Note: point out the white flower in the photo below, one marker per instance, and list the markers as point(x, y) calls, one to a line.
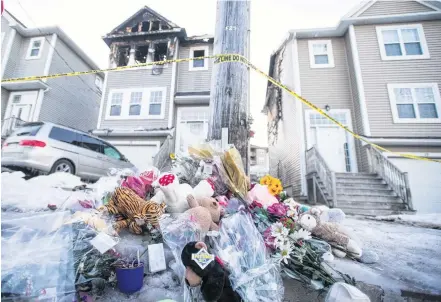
point(301, 234)
point(285, 252)
point(278, 231)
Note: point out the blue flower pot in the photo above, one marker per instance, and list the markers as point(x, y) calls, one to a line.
point(130, 280)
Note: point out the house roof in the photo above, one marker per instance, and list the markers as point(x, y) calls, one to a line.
point(353, 18)
point(142, 11)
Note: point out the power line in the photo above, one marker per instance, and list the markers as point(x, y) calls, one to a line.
point(67, 64)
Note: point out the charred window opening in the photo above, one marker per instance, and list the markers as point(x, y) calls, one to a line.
point(155, 25)
point(145, 26)
point(135, 28)
point(123, 56)
point(160, 52)
point(141, 54)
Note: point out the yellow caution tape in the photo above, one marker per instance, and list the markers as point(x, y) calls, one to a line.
point(223, 59)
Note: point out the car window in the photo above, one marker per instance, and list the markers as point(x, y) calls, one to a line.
point(29, 129)
point(111, 152)
point(64, 135)
point(91, 143)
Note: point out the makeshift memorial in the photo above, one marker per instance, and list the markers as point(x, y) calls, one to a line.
point(234, 176)
point(261, 194)
point(203, 270)
point(331, 233)
point(241, 248)
point(274, 184)
point(173, 193)
point(92, 218)
point(136, 211)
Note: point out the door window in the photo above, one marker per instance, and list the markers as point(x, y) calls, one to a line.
point(91, 144)
point(64, 135)
point(112, 152)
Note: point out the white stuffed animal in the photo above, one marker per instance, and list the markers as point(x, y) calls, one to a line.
point(175, 194)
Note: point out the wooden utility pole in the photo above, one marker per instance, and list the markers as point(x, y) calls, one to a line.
point(229, 102)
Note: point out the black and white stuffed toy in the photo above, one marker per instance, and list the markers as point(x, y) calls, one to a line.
point(213, 279)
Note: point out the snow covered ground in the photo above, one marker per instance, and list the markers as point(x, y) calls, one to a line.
point(432, 221)
point(410, 257)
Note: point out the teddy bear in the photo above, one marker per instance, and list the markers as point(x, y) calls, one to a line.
point(213, 279)
point(331, 233)
point(175, 194)
point(206, 211)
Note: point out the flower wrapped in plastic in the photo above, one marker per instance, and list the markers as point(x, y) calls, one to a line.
point(242, 249)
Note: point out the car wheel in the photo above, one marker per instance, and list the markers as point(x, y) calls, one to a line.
point(63, 165)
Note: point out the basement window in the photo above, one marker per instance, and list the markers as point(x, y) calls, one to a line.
point(123, 56)
point(141, 54)
point(160, 52)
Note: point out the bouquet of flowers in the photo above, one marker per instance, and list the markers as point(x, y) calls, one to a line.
point(292, 246)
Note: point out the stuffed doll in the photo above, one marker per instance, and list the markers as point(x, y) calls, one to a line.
point(213, 280)
point(331, 233)
point(175, 194)
point(206, 212)
point(136, 211)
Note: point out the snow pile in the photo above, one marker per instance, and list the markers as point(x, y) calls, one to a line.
point(20, 195)
point(432, 221)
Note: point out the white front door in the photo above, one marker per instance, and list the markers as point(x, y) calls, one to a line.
point(331, 145)
point(192, 127)
point(334, 144)
point(20, 109)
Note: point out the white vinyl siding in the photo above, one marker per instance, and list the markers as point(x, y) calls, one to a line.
point(321, 54)
point(35, 48)
point(403, 42)
point(137, 103)
point(415, 103)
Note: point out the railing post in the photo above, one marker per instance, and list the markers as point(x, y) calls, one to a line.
point(408, 193)
point(314, 192)
point(334, 190)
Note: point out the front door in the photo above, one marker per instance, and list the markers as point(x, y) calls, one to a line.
point(333, 143)
point(20, 109)
point(192, 127)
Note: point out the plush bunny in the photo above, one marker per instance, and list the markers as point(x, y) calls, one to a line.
point(206, 212)
point(331, 233)
point(175, 194)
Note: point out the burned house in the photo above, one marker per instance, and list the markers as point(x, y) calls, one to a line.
point(143, 105)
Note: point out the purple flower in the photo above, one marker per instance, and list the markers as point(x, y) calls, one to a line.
point(269, 239)
point(278, 209)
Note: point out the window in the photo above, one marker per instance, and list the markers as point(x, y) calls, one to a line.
point(16, 99)
point(99, 82)
point(402, 42)
point(91, 143)
point(135, 103)
point(155, 104)
point(111, 152)
point(201, 64)
point(415, 103)
point(35, 48)
point(64, 135)
point(320, 54)
point(28, 129)
point(116, 104)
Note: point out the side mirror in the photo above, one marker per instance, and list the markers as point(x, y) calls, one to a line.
point(123, 158)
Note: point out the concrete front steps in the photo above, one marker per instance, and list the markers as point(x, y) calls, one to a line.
point(366, 194)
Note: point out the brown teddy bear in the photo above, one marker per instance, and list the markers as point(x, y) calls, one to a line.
point(206, 211)
point(330, 232)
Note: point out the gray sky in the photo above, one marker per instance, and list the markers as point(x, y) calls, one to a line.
point(85, 21)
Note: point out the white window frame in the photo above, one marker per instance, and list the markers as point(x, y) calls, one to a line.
point(99, 82)
point(164, 97)
point(28, 55)
point(398, 28)
point(417, 120)
point(145, 104)
point(330, 54)
point(179, 121)
point(206, 61)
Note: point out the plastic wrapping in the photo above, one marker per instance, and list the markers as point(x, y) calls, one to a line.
point(234, 174)
point(241, 247)
point(37, 255)
point(177, 232)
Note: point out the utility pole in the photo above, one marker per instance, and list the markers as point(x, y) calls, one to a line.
point(229, 99)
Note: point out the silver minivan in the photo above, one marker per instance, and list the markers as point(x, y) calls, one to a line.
point(47, 148)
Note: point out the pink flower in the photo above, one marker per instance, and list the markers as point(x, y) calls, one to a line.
point(269, 240)
point(256, 204)
point(277, 209)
